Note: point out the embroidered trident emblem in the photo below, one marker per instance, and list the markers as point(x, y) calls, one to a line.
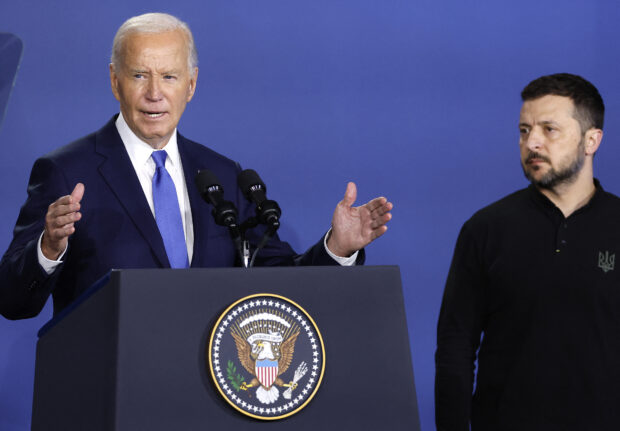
point(606, 261)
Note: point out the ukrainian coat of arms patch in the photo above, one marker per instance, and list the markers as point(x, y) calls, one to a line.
point(266, 356)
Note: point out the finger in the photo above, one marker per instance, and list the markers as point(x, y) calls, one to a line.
point(375, 203)
point(58, 209)
point(68, 229)
point(381, 221)
point(64, 200)
point(60, 221)
point(378, 232)
point(62, 231)
point(77, 193)
point(350, 195)
point(383, 209)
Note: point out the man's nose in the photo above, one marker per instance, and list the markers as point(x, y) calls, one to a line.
point(534, 139)
point(153, 91)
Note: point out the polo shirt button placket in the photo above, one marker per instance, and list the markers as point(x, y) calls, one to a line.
point(561, 235)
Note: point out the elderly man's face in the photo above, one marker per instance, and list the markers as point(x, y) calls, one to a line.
point(153, 84)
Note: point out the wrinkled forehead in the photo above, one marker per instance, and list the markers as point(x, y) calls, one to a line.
point(141, 46)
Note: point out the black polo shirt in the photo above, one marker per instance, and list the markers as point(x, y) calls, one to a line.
point(544, 292)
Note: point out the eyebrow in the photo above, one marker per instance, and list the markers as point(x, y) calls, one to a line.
point(145, 71)
point(545, 123)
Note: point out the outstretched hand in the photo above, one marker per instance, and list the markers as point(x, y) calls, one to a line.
point(353, 228)
point(59, 222)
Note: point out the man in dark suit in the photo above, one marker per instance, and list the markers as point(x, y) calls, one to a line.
point(97, 203)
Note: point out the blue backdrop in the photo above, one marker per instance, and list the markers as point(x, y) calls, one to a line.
point(415, 100)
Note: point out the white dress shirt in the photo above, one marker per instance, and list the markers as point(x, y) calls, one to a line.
point(144, 165)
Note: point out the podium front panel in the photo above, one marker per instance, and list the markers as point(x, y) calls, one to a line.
point(134, 354)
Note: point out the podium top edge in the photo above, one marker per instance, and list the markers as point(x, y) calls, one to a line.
point(118, 274)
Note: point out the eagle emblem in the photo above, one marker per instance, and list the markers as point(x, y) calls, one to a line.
point(265, 347)
point(266, 356)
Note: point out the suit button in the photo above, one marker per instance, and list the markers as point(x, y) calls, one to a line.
point(33, 284)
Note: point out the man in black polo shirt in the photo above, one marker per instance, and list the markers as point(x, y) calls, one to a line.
point(534, 275)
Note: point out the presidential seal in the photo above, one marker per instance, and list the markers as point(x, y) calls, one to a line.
point(266, 356)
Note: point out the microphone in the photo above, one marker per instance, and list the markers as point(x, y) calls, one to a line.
point(224, 212)
point(267, 211)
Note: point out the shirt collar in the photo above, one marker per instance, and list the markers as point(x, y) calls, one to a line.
point(543, 201)
point(139, 151)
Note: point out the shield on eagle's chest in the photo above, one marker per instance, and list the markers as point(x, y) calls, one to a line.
point(266, 372)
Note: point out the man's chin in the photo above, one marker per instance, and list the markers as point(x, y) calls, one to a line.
point(534, 174)
point(547, 181)
point(155, 139)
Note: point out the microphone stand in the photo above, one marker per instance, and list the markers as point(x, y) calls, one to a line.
point(245, 244)
point(250, 223)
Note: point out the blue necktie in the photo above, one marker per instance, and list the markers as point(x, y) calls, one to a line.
point(167, 213)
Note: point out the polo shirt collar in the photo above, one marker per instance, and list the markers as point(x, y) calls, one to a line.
point(543, 201)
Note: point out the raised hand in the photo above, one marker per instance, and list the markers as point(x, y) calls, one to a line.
point(353, 228)
point(60, 222)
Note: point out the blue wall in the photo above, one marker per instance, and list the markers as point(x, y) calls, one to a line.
point(415, 100)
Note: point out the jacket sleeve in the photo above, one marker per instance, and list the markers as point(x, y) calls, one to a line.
point(279, 253)
point(458, 335)
point(24, 284)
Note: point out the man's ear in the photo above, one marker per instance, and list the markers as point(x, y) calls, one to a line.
point(192, 84)
point(114, 82)
point(593, 138)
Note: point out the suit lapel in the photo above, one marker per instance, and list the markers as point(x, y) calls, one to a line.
point(120, 175)
point(192, 163)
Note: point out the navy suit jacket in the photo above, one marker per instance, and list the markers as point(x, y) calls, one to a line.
point(117, 229)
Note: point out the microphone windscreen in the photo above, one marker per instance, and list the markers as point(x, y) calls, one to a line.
point(249, 178)
point(205, 179)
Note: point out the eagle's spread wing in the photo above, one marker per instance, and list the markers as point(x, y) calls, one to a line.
point(287, 349)
point(243, 352)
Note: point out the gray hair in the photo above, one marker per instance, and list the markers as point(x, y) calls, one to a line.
point(153, 23)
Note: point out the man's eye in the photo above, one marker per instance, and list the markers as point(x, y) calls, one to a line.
point(138, 75)
point(523, 131)
point(169, 77)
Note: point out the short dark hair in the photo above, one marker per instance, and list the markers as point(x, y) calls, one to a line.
point(589, 107)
